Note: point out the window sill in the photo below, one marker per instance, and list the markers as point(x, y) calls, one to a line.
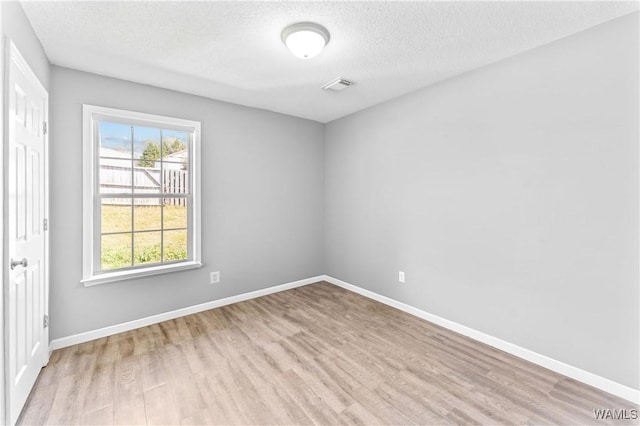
point(138, 273)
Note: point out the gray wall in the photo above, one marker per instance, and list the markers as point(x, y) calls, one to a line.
point(508, 195)
point(262, 203)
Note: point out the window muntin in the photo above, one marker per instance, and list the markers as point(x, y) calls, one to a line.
point(144, 207)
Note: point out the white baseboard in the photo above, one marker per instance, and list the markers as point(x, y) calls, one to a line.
point(583, 376)
point(154, 319)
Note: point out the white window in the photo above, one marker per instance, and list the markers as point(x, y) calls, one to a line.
point(141, 194)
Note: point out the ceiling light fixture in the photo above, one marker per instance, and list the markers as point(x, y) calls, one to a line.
point(305, 39)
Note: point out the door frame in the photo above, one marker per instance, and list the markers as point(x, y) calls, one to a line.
point(2, 216)
point(11, 52)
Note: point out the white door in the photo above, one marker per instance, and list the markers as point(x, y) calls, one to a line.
point(26, 344)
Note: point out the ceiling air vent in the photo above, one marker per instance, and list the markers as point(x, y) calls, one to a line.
point(338, 84)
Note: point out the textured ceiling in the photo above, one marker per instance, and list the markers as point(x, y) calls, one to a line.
point(232, 50)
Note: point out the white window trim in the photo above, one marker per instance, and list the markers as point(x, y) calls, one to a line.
point(90, 115)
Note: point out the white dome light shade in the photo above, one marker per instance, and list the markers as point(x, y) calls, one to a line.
point(305, 44)
point(306, 39)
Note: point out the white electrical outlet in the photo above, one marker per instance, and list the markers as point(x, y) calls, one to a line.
point(401, 276)
point(214, 277)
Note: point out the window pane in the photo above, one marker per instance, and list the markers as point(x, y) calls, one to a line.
point(146, 176)
point(175, 178)
point(146, 247)
point(146, 146)
point(175, 145)
point(116, 215)
point(147, 214)
point(116, 251)
point(175, 245)
point(115, 140)
point(175, 213)
point(114, 176)
point(146, 179)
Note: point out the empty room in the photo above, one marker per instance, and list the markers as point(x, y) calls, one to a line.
point(331, 212)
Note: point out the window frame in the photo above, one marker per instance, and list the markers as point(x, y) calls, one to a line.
point(91, 115)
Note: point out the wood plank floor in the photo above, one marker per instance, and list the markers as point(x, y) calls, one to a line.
point(313, 355)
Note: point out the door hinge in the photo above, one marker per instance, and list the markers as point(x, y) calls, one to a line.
point(44, 127)
point(45, 321)
point(45, 224)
